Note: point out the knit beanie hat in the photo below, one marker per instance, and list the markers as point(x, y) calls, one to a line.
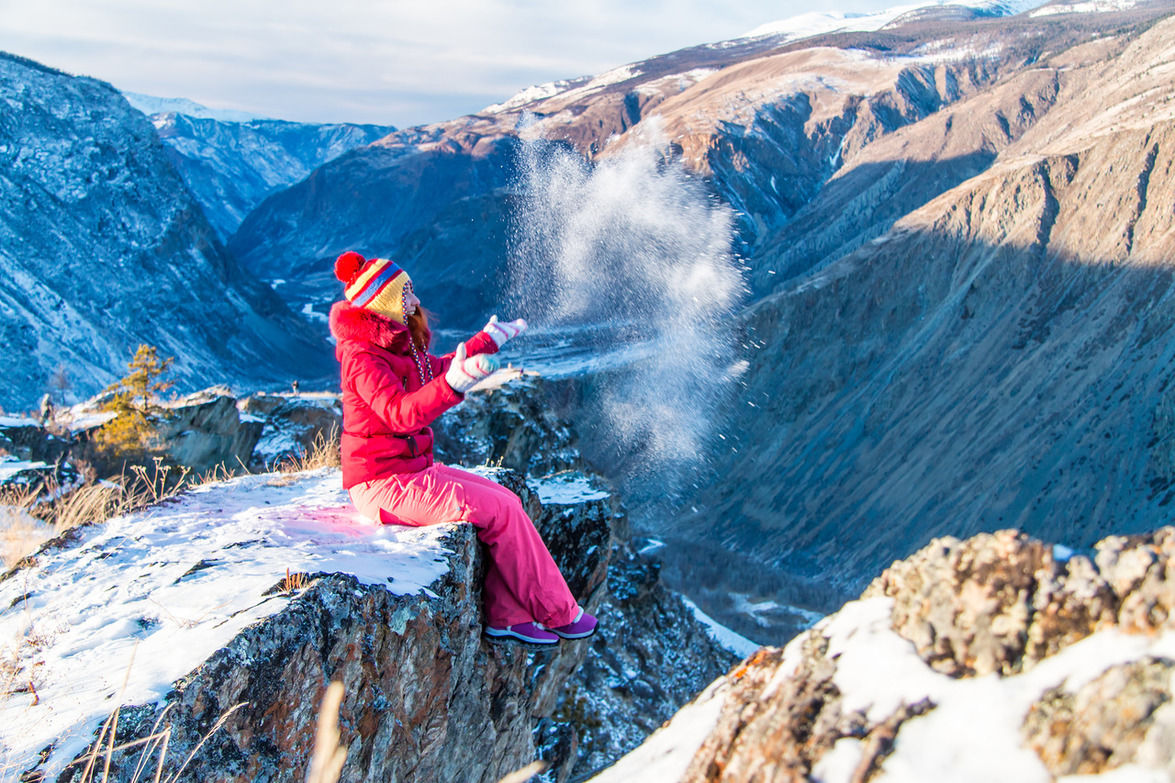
point(377, 284)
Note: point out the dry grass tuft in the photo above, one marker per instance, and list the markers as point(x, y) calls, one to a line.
point(21, 533)
point(526, 773)
point(322, 453)
point(154, 743)
point(293, 583)
point(63, 509)
point(326, 764)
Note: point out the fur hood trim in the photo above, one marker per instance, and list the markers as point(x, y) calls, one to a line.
point(348, 322)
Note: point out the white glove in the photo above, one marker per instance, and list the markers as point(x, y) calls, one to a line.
point(501, 332)
point(464, 373)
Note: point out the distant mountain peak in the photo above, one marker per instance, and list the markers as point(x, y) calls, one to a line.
point(822, 22)
point(150, 104)
point(1084, 7)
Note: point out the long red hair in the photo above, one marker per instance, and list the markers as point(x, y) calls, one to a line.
point(418, 328)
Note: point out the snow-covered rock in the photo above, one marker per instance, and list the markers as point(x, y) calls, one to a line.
point(994, 658)
point(205, 430)
point(186, 608)
point(292, 423)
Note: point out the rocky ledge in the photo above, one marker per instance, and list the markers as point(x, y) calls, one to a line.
point(259, 592)
point(995, 658)
point(220, 616)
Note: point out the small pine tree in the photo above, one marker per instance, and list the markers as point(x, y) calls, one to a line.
point(130, 434)
point(142, 383)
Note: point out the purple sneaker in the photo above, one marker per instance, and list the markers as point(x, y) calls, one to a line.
point(582, 626)
point(532, 633)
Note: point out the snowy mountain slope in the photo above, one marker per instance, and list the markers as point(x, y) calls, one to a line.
point(102, 248)
point(231, 166)
point(820, 22)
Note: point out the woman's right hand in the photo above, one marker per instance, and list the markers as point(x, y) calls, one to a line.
point(466, 371)
point(500, 331)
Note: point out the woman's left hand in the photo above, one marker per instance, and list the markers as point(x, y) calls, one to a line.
point(501, 332)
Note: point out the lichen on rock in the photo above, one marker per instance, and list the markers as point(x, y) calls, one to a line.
point(1103, 724)
point(996, 602)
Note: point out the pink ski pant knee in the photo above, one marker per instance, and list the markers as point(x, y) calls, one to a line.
point(522, 581)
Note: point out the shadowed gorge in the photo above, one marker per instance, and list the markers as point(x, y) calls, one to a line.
point(1023, 378)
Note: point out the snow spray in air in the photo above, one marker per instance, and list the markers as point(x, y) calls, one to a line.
point(634, 253)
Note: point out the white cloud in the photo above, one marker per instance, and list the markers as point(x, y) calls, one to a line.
point(386, 61)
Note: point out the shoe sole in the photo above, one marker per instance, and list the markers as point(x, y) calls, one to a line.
point(574, 635)
point(508, 636)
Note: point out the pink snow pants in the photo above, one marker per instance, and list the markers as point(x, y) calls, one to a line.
point(522, 581)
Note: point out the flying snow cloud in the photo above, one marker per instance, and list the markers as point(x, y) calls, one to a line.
point(635, 254)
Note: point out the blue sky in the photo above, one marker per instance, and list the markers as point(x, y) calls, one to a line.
point(391, 62)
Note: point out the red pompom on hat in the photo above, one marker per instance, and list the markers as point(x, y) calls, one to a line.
point(348, 265)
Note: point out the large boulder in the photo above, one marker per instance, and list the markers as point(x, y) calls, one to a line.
point(293, 424)
point(205, 430)
point(994, 658)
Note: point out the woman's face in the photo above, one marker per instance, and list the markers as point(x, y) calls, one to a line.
point(410, 302)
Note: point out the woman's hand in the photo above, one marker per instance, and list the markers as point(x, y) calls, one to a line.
point(501, 332)
point(465, 371)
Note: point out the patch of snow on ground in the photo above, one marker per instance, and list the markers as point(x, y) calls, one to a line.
point(17, 421)
point(274, 444)
point(85, 419)
point(309, 312)
point(949, 54)
point(10, 466)
point(1086, 7)
point(170, 585)
point(614, 76)
point(666, 754)
point(651, 545)
point(755, 609)
point(736, 643)
point(567, 488)
point(821, 22)
point(678, 82)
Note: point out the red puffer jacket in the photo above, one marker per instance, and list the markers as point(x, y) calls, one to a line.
point(386, 406)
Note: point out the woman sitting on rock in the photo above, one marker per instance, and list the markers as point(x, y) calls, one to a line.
point(392, 390)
